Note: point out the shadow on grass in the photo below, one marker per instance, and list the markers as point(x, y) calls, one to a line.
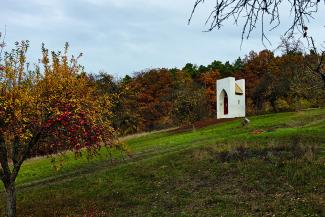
point(287, 151)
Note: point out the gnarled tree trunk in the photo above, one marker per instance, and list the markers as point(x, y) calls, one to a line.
point(11, 200)
point(8, 178)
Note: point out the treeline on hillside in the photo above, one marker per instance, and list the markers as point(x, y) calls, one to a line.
point(159, 98)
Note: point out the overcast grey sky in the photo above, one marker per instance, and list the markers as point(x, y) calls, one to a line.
point(124, 36)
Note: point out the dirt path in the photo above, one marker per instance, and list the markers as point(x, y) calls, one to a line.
point(113, 163)
point(99, 166)
point(201, 124)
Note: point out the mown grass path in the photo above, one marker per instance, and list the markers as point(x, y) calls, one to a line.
point(194, 167)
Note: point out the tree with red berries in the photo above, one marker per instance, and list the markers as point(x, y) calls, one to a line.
point(51, 109)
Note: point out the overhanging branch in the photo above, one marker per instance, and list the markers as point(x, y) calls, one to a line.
point(252, 11)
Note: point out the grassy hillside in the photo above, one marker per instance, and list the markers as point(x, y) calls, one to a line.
point(275, 166)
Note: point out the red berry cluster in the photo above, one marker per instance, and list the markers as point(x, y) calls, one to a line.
point(74, 130)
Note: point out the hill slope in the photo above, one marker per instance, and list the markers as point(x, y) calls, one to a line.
point(276, 165)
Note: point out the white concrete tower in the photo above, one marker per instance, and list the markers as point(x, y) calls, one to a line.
point(230, 98)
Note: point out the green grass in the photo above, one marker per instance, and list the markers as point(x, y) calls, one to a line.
point(221, 170)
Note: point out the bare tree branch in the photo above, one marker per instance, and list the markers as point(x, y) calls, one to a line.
point(265, 11)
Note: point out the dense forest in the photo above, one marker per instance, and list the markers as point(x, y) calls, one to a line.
point(158, 98)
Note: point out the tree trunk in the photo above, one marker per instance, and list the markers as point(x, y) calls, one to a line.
point(11, 200)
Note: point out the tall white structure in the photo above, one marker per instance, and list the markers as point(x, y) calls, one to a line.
point(231, 98)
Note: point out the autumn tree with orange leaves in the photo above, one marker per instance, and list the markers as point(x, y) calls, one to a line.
point(208, 79)
point(153, 91)
point(52, 108)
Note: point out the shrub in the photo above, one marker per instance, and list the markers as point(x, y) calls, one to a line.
point(282, 105)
